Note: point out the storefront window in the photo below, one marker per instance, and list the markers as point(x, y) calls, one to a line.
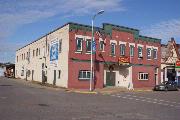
point(84, 75)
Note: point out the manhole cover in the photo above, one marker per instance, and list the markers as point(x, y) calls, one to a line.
point(43, 105)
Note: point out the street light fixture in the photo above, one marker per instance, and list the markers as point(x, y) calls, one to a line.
point(92, 40)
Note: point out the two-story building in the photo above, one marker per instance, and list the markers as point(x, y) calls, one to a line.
point(169, 56)
point(62, 57)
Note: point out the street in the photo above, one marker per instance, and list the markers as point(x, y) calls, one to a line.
point(21, 100)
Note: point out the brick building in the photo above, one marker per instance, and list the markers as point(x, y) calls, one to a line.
point(62, 57)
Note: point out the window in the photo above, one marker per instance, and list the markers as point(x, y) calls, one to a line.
point(131, 50)
point(155, 53)
point(33, 53)
point(140, 52)
point(17, 58)
point(22, 72)
point(88, 45)
point(84, 75)
point(37, 52)
point(60, 45)
point(59, 74)
point(22, 56)
point(148, 53)
point(143, 76)
point(27, 55)
point(101, 45)
point(79, 44)
point(122, 49)
point(113, 49)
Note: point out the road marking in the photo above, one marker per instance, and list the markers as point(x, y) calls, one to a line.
point(149, 100)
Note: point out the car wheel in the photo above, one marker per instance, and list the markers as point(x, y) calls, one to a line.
point(166, 89)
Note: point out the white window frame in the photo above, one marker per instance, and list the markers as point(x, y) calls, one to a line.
point(101, 45)
point(148, 56)
point(81, 72)
point(142, 76)
point(140, 54)
point(122, 51)
point(87, 43)
point(114, 46)
point(155, 57)
point(131, 50)
point(77, 39)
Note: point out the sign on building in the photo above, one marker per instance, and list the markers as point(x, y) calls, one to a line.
point(124, 60)
point(54, 52)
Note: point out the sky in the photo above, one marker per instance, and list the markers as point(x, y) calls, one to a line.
point(23, 21)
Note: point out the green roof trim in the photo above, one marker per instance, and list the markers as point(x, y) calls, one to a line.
point(149, 39)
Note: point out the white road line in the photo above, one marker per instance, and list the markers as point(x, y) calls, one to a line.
point(155, 101)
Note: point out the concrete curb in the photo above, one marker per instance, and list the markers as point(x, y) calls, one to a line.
point(82, 92)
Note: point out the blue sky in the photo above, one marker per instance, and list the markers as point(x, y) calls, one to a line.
point(23, 21)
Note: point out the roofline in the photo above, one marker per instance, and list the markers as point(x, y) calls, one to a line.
point(120, 26)
point(45, 35)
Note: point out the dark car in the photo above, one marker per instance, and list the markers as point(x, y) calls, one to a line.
point(166, 86)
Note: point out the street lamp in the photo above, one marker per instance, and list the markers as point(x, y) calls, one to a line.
point(92, 40)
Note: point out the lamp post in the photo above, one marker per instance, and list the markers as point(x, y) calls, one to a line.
point(92, 40)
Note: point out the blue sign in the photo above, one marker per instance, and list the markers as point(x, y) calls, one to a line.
point(54, 51)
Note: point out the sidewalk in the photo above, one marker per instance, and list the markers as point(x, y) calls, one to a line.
point(105, 90)
point(109, 90)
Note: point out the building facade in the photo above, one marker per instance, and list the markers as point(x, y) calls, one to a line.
point(169, 56)
point(121, 57)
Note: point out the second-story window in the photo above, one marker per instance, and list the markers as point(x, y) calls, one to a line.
point(17, 58)
point(37, 52)
point(148, 53)
point(122, 49)
point(79, 44)
point(88, 45)
point(131, 50)
point(33, 53)
point(113, 47)
point(140, 55)
point(101, 45)
point(155, 53)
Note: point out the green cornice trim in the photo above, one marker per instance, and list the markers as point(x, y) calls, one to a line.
point(149, 39)
point(107, 30)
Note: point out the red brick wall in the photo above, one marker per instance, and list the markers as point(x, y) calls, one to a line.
point(75, 66)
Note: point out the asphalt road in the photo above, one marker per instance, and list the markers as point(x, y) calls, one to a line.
point(20, 100)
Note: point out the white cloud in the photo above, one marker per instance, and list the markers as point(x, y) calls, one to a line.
point(15, 13)
point(164, 30)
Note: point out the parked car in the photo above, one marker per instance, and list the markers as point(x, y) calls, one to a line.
point(166, 86)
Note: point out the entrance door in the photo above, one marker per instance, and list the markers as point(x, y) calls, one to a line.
point(54, 81)
point(110, 78)
point(171, 74)
point(32, 75)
